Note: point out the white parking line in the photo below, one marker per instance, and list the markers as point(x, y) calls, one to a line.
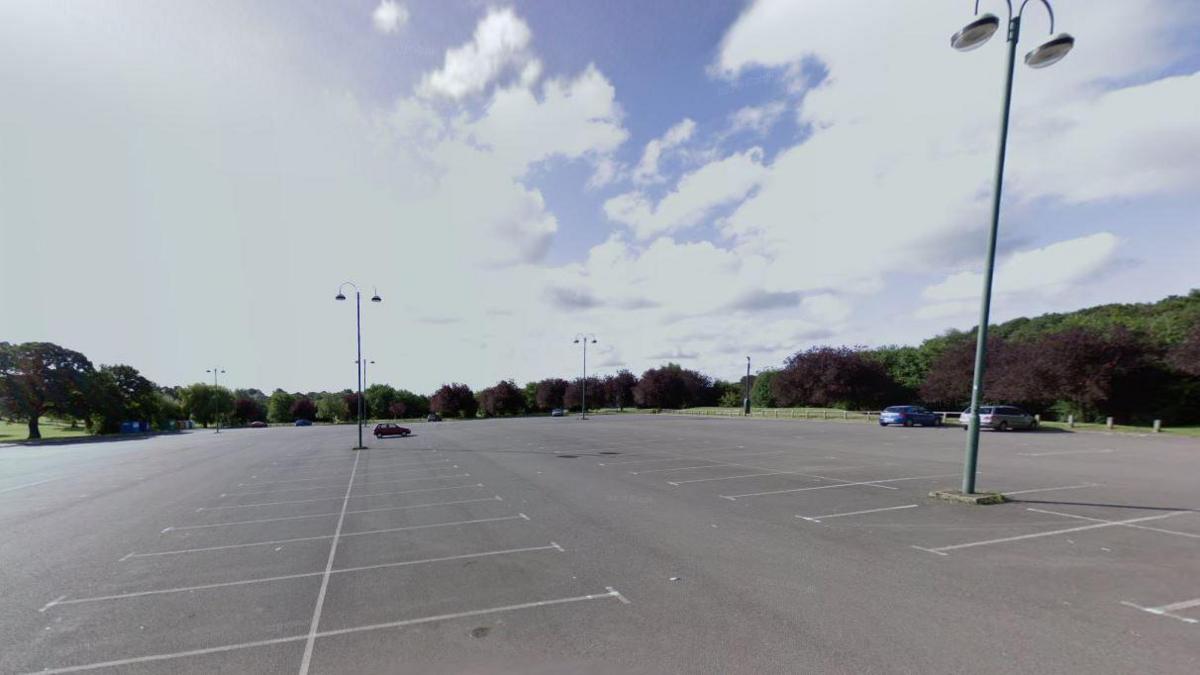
point(941, 550)
point(874, 483)
point(639, 461)
point(325, 515)
point(684, 468)
point(343, 475)
point(338, 487)
point(330, 499)
point(519, 516)
point(1066, 452)
point(303, 575)
point(27, 485)
point(1190, 535)
point(1169, 610)
point(1051, 489)
point(611, 593)
point(337, 534)
point(783, 473)
point(817, 519)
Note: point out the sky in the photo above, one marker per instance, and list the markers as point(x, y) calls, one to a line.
point(185, 185)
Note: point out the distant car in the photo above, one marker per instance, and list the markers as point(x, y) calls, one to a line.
point(389, 429)
point(304, 423)
point(1000, 418)
point(909, 415)
point(258, 424)
point(557, 412)
point(433, 417)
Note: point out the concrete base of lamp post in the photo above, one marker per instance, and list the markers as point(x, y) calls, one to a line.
point(977, 498)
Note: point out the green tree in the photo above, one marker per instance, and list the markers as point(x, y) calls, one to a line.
point(332, 408)
point(41, 378)
point(760, 393)
point(380, 398)
point(206, 403)
point(279, 406)
point(119, 393)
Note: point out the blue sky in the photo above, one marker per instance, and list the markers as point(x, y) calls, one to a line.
point(691, 181)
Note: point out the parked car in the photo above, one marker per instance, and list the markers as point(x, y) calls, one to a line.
point(304, 423)
point(389, 429)
point(909, 415)
point(433, 417)
point(1000, 418)
point(557, 412)
point(258, 424)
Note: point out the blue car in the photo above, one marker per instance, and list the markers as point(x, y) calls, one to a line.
point(909, 415)
point(304, 423)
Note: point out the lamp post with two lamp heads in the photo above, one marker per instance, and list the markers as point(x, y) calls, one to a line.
point(972, 36)
point(358, 330)
point(584, 338)
point(214, 370)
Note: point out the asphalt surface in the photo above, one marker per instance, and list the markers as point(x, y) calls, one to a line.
point(621, 544)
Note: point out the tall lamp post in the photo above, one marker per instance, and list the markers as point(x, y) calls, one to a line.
point(746, 398)
point(973, 35)
point(584, 338)
point(358, 330)
point(214, 370)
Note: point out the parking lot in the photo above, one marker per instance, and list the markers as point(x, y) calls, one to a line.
point(632, 543)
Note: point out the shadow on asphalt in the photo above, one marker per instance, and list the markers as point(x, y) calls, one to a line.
point(1112, 506)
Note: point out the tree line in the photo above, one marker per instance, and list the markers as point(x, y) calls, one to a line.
point(1135, 362)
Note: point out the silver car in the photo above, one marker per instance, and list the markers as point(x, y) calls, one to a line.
point(1000, 418)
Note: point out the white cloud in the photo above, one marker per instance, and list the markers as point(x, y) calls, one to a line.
point(896, 174)
point(647, 169)
point(715, 184)
point(756, 119)
point(827, 307)
point(1044, 271)
point(389, 16)
point(501, 41)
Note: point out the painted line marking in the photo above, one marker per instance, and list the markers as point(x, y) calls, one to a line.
point(1165, 610)
point(336, 487)
point(876, 483)
point(331, 477)
point(1051, 489)
point(1066, 452)
point(330, 499)
point(1191, 535)
point(817, 519)
point(616, 594)
point(305, 575)
point(1035, 535)
point(682, 468)
point(783, 473)
point(639, 461)
point(342, 631)
point(520, 516)
point(27, 485)
point(326, 515)
point(52, 603)
point(337, 534)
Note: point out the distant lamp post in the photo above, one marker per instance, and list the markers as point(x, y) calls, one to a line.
point(746, 398)
point(584, 338)
point(972, 36)
point(366, 384)
point(358, 330)
point(215, 370)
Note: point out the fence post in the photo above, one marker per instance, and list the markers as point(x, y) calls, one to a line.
point(1038, 418)
point(1109, 423)
point(824, 414)
point(1070, 421)
point(845, 414)
point(1157, 426)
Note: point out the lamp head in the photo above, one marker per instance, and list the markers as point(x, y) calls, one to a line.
point(339, 296)
point(1050, 52)
point(974, 34)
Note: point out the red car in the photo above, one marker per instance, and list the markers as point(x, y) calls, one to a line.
point(382, 430)
point(258, 424)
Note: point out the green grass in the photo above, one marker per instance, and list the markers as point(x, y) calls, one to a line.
point(1193, 431)
point(10, 432)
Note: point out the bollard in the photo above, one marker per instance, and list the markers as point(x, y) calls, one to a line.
point(1071, 421)
point(1109, 423)
point(824, 414)
point(1038, 418)
point(845, 414)
point(1157, 426)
